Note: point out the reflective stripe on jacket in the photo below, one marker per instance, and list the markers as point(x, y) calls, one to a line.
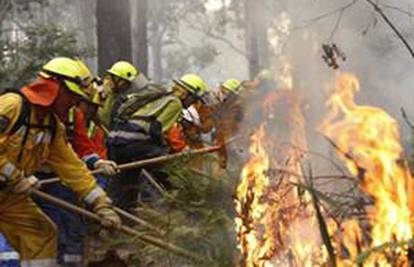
point(140, 127)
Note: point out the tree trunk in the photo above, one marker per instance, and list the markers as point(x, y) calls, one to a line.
point(157, 36)
point(256, 36)
point(114, 32)
point(157, 54)
point(140, 41)
point(87, 24)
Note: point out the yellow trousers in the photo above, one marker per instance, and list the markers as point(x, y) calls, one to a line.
point(28, 230)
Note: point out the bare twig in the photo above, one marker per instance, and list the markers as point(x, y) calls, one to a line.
point(328, 14)
point(392, 26)
point(154, 182)
point(347, 155)
point(405, 117)
point(323, 228)
point(399, 10)
point(218, 37)
point(337, 23)
point(320, 155)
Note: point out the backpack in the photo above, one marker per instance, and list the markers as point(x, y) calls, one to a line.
point(24, 120)
point(126, 105)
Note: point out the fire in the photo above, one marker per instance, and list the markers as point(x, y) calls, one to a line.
point(274, 224)
point(370, 138)
point(251, 207)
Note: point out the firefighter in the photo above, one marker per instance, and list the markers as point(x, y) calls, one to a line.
point(229, 88)
point(120, 79)
point(229, 113)
point(138, 129)
point(230, 110)
point(186, 133)
point(87, 139)
point(32, 135)
point(87, 134)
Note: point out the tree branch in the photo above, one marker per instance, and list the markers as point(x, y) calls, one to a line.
point(328, 14)
point(392, 26)
point(405, 117)
point(217, 37)
point(399, 10)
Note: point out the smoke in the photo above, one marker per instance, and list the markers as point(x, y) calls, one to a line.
point(373, 52)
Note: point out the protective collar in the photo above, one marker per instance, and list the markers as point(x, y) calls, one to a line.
point(42, 92)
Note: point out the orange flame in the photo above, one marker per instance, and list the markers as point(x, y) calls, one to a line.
point(251, 207)
point(274, 226)
point(370, 138)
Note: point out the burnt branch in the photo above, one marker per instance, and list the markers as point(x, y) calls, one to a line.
point(405, 117)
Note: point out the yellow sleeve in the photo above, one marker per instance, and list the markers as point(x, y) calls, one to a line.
point(170, 114)
point(10, 107)
point(73, 172)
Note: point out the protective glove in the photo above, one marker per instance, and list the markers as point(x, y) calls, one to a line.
point(25, 184)
point(109, 167)
point(103, 208)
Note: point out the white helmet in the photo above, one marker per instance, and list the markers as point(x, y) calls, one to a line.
point(191, 115)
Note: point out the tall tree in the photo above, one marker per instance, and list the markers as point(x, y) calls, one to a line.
point(256, 35)
point(114, 32)
point(85, 10)
point(139, 29)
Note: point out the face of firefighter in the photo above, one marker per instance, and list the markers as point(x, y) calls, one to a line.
point(64, 101)
point(224, 92)
point(116, 84)
point(186, 98)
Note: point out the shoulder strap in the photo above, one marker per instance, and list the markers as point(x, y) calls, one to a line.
point(24, 120)
point(24, 111)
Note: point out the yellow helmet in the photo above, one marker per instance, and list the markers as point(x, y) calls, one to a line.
point(233, 85)
point(74, 73)
point(193, 83)
point(124, 70)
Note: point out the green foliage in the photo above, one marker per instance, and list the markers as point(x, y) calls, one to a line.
point(21, 59)
point(196, 215)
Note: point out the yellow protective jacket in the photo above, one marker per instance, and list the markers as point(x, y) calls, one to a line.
point(40, 149)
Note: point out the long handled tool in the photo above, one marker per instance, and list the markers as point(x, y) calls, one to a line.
point(145, 162)
point(137, 220)
point(124, 229)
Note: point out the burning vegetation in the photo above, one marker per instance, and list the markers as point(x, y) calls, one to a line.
point(283, 220)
